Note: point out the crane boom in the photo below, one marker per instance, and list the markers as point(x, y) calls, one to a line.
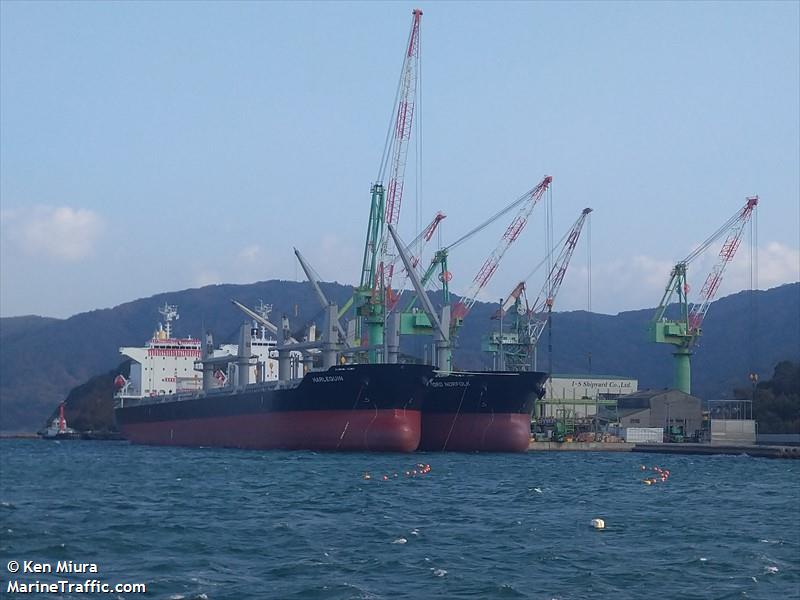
point(539, 313)
point(531, 198)
point(518, 291)
point(516, 348)
point(698, 310)
point(403, 117)
point(313, 278)
point(419, 243)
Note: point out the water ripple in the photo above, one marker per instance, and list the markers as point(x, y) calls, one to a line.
point(218, 524)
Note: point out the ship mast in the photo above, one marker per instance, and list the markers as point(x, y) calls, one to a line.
point(170, 313)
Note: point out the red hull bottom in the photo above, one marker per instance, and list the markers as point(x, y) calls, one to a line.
point(389, 430)
point(505, 432)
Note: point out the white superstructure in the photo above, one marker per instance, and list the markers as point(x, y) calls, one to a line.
point(168, 365)
point(264, 358)
point(165, 365)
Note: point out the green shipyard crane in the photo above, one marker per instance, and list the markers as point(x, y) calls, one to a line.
point(377, 320)
point(515, 350)
point(682, 332)
point(444, 340)
point(370, 297)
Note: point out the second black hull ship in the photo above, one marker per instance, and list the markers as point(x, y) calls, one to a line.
point(350, 407)
point(480, 411)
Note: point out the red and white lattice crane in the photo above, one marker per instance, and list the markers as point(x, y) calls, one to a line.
point(396, 151)
point(531, 198)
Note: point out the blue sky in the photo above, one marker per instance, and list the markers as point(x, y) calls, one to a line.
point(148, 147)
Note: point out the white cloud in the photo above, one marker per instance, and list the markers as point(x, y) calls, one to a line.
point(62, 233)
point(778, 264)
point(251, 254)
point(203, 277)
point(335, 258)
point(618, 285)
point(248, 264)
point(639, 282)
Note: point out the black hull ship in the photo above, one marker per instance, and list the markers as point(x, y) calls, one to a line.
point(350, 407)
point(480, 411)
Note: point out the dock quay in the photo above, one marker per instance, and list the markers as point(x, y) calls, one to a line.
point(760, 451)
point(581, 447)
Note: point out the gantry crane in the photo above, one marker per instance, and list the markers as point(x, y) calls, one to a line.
point(682, 333)
point(516, 348)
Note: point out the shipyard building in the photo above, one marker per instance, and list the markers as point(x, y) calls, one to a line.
point(660, 408)
point(582, 395)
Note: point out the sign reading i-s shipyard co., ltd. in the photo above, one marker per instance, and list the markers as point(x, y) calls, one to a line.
point(574, 387)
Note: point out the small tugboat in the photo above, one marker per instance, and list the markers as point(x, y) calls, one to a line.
point(58, 430)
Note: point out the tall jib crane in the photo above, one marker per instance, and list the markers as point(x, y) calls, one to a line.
point(516, 348)
point(377, 266)
point(683, 332)
point(525, 205)
point(531, 198)
point(445, 327)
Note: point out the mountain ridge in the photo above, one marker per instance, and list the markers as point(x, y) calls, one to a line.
point(42, 359)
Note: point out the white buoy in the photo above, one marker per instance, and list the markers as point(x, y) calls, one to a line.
point(598, 524)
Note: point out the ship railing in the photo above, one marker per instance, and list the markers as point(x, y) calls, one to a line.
point(122, 401)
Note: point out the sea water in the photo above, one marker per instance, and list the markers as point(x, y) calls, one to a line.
point(213, 524)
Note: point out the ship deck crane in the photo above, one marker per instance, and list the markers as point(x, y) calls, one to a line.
point(682, 333)
point(418, 243)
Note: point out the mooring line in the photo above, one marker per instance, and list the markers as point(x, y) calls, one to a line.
point(453, 424)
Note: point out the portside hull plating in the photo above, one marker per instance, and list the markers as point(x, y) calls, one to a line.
point(388, 430)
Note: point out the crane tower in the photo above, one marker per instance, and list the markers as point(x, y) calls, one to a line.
point(683, 331)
